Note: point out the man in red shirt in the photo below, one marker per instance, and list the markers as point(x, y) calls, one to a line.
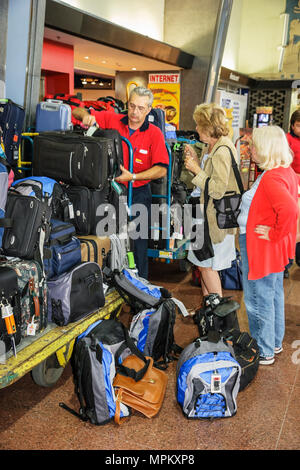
point(150, 156)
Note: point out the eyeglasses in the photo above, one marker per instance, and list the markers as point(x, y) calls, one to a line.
point(141, 109)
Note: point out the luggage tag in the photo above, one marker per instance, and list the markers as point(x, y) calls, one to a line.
point(71, 211)
point(215, 383)
point(91, 130)
point(116, 187)
point(31, 328)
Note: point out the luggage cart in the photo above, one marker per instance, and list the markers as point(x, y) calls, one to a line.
point(46, 354)
point(170, 253)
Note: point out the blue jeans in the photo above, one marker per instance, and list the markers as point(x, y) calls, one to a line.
point(264, 301)
point(142, 195)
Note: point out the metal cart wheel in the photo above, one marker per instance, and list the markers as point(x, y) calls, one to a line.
point(47, 373)
point(184, 265)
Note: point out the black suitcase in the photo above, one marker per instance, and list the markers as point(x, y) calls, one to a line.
point(157, 117)
point(86, 203)
point(9, 298)
point(11, 125)
point(30, 219)
point(72, 158)
point(32, 286)
point(116, 154)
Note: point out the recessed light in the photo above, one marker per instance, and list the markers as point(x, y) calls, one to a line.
point(86, 57)
point(133, 68)
point(103, 61)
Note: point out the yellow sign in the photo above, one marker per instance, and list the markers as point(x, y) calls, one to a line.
point(166, 91)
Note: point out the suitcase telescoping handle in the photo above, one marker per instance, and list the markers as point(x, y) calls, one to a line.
point(53, 101)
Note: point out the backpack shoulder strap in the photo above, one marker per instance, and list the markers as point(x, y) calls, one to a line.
point(235, 168)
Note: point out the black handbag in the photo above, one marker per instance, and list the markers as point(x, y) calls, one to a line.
point(228, 207)
point(206, 251)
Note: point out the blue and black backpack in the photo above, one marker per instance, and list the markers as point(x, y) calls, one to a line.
point(97, 357)
point(207, 380)
point(50, 189)
point(154, 315)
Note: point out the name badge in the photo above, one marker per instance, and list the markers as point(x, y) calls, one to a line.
point(144, 152)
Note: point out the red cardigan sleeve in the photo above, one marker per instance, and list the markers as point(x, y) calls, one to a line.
point(283, 204)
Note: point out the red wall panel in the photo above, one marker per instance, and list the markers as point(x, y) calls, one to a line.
point(58, 67)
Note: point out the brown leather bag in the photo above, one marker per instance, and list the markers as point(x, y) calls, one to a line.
point(145, 395)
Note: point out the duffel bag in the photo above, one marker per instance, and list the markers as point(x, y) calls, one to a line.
point(72, 158)
point(87, 204)
point(63, 249)
point(75, 294)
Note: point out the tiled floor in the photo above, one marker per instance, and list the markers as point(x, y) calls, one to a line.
point(268, 410)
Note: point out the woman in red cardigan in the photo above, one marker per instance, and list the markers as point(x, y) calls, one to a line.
point(268, 226)
point(293, 138)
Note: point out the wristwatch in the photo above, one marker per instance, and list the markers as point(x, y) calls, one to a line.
point(133, 177)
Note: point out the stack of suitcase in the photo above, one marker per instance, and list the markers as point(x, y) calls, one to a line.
point(52, 232)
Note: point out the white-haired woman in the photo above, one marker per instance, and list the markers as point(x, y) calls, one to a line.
point(268, 226)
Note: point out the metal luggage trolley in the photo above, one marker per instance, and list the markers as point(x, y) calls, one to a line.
point(168, 254)
point(46, 354)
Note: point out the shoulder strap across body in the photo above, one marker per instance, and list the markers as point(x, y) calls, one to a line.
point(235, 169)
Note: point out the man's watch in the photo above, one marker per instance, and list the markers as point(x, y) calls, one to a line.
point(133, 177)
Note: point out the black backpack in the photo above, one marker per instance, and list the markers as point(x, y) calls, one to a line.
point(217, 315)
point(246, 352)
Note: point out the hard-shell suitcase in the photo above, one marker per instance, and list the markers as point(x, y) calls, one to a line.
point(87, 206)
point(94, 248)
point(53, 115)
point(11, 125)
point(33, 290)
point(71, 100)
point(72, 158)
